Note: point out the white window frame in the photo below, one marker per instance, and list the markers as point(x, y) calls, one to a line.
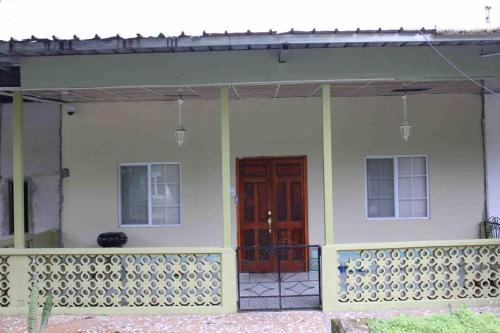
point(396, 186)
point(150, 201)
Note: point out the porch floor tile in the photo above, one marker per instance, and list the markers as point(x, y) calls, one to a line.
point(249, 322)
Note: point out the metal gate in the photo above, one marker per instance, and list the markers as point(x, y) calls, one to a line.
point(281, 288)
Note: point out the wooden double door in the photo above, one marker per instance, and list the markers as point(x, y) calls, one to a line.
point(272, 214)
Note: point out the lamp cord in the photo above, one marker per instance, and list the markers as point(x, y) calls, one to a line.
point(405, 114)
point(179, 102)
point(455, 67)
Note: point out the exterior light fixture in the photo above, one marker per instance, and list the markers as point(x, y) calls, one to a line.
point(405, 126)
point(180, 131)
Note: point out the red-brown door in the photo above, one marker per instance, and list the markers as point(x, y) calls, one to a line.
point(272, 212)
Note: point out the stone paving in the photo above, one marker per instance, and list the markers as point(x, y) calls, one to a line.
point(249, 322)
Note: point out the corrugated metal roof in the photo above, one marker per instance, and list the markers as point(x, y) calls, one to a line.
point(13, 49)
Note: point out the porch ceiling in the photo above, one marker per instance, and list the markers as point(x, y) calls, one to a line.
point(338, 89)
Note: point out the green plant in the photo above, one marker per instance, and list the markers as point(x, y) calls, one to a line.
point(459, 321)
point(33, 309)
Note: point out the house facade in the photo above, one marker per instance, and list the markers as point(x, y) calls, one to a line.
point(447, 133)
point(293, 155)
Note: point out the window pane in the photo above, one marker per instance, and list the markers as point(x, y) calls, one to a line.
point(374, 208)
point(386, 168)
point(173, 215)
point(373, 189)
point(125, 215)
point(419, 187)
point(387, 206)
point(158, 173)
point(158, 194)
point(173, 194)
point(404, 166)
point(165, 193)
point(380, 187)
point(412, 186)
point(405, 209)
point(159, 215)
point(137, 195)
point(404, 188)
point(418, 165)
point(134, 215)
point(378, 168)
point(420, 208)
point(387, 188)
point(372, 169)
point(134, 194)
point(124, 196)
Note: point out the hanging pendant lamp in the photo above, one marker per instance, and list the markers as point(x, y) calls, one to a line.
point(180, 131)
point(405, 126)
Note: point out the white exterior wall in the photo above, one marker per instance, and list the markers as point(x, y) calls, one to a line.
point(492, 140)
point(41, 126)
point(447, 128)
point(101, 136)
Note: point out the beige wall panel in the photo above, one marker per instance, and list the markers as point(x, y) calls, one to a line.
point(101, 136)
point(446, 128)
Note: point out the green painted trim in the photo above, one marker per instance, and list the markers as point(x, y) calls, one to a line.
point(226, 165)
point(229, 286)
point(439, 303)
point(375, 306)
point(329, 278)
point(18, 169)
point(116, 250)
point(19, 281)
point(327, 163)
point(143, 310)
point(405, 245)
point(254, 66)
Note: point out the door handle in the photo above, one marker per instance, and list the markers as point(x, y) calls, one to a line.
point(269, 221)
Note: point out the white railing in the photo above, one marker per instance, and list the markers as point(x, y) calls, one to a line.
point(368, 276)
point(121, 280)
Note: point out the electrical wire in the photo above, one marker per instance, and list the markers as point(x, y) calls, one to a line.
point(455, 67)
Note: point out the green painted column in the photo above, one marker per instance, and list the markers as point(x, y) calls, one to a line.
point(18, 169)
point(226, 165)
point(327, 163)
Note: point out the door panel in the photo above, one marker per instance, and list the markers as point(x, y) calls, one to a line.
point(254, 205)
point(289, 177)
point(272, 212)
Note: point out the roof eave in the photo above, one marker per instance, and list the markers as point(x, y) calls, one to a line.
point(11, 50)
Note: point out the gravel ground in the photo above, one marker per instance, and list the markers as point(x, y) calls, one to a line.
point(248, 322)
